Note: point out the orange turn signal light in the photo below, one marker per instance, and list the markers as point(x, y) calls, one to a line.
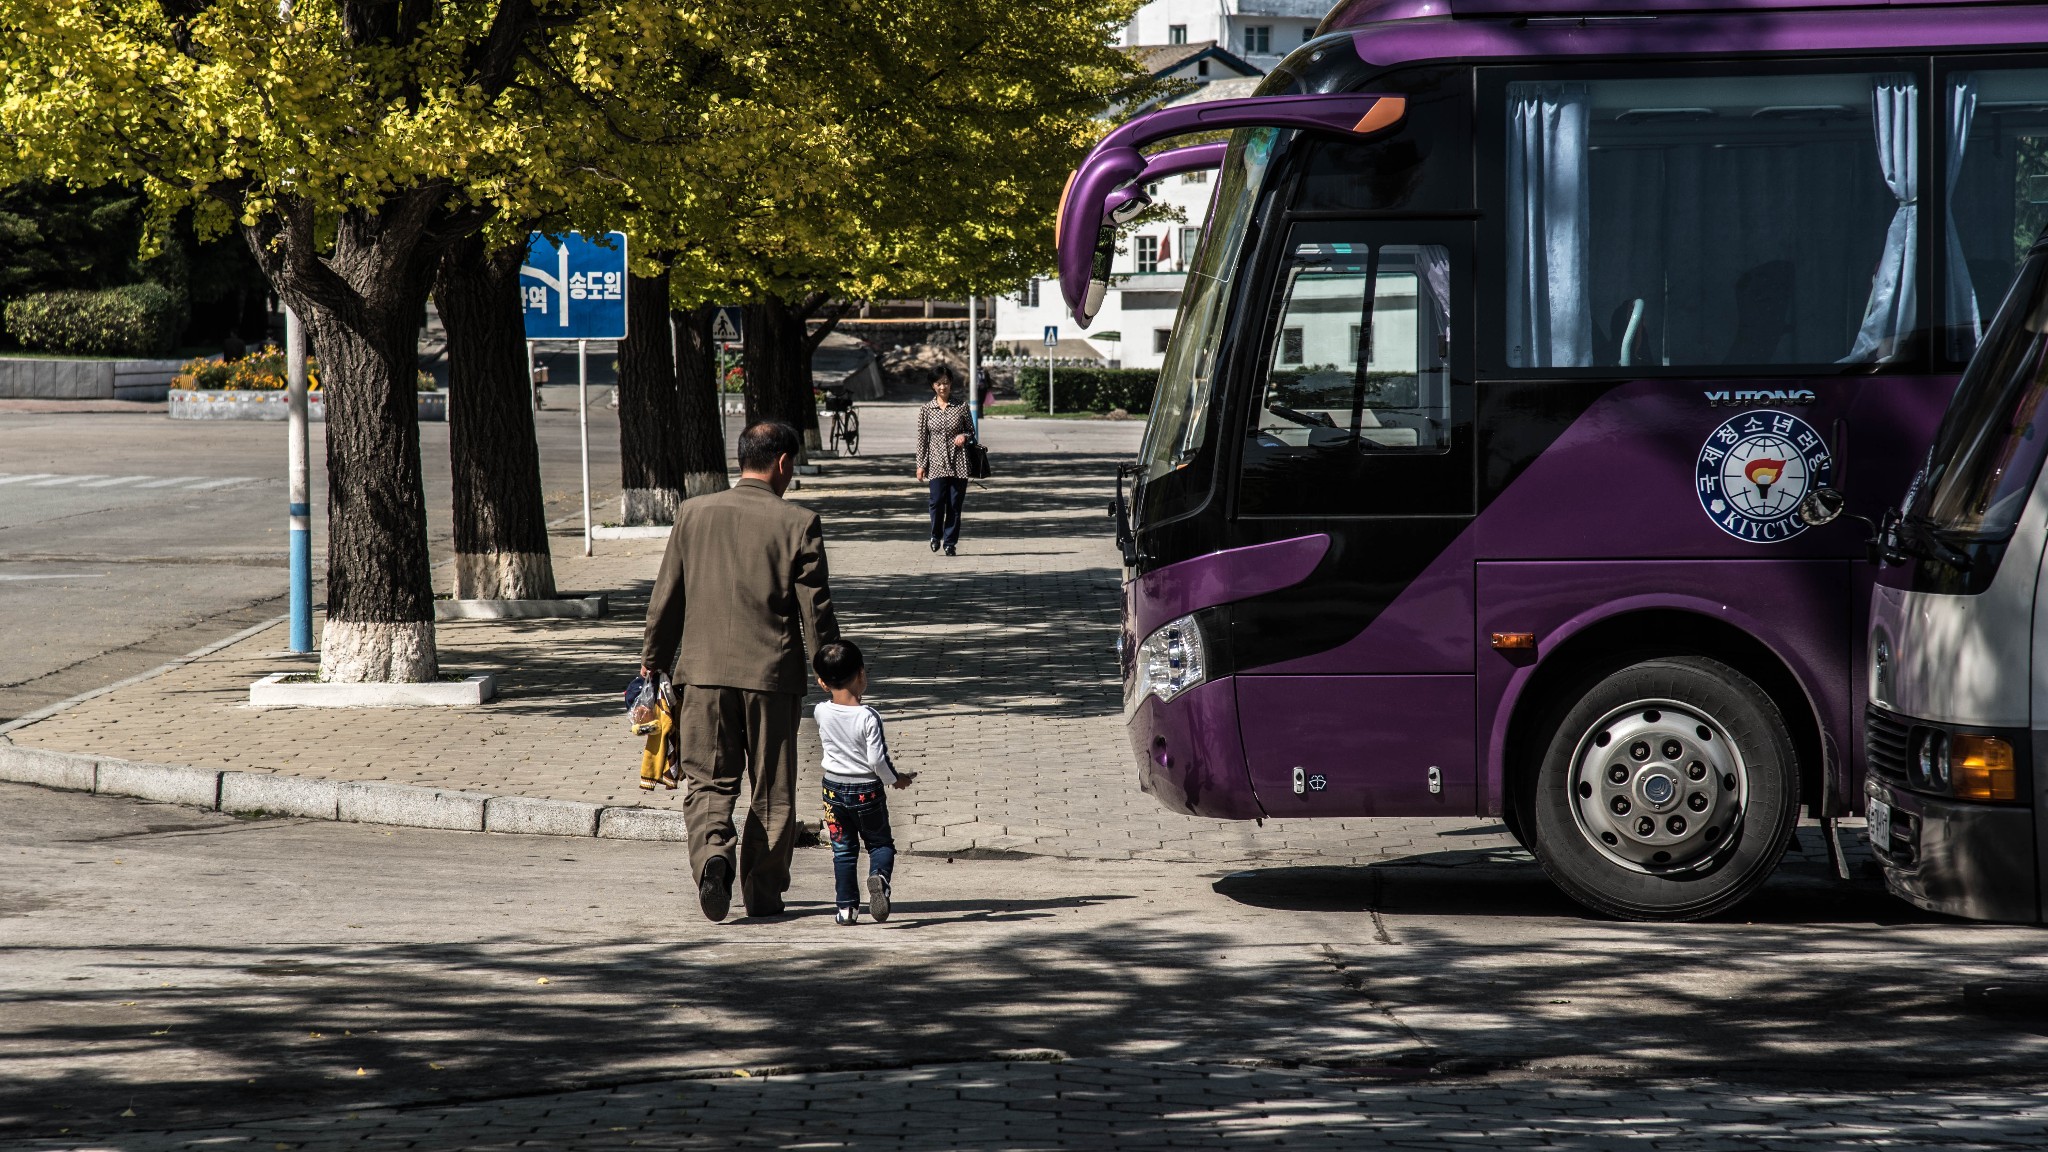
point(1982, 768)
point(1514, 641)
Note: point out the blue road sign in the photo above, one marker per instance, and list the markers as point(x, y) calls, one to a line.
point(1052, 336)
point(574, 290)
point(727, 327)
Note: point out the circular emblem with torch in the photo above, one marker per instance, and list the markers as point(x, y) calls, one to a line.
point(1754, 469)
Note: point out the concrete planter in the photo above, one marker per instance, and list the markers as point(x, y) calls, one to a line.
point(629, 531)
point(220, 404)
point(28, 379)
point(274, 691)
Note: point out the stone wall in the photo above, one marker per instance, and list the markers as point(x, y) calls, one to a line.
point(86, 379)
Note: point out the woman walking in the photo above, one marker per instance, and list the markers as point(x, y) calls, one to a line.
point(943, 430)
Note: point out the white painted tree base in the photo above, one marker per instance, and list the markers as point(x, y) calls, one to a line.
point(274, 691)
point(649, 505)
point(552, 608)
point(504, 576)
point(359, 653)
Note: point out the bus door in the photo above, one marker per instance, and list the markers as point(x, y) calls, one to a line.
point(1355, 688)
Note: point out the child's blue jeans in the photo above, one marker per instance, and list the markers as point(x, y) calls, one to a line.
point(860, 815)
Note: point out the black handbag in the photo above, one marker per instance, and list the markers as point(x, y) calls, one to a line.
point(977, 461)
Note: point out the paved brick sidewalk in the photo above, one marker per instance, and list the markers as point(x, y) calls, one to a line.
point(1100, 1104)
point(995, 669)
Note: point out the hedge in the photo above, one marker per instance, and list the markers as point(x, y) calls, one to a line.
point(133, 320)
point(1091, 389)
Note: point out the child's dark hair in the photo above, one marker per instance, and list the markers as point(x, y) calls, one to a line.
point(838, 663)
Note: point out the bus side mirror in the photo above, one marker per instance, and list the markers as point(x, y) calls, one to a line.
point(1821, 506)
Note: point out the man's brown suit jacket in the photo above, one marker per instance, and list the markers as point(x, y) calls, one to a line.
point(741, 586)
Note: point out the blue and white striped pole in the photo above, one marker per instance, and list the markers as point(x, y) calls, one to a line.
point(299, 483)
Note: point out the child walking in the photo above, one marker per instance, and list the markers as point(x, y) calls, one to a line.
point(857, 766)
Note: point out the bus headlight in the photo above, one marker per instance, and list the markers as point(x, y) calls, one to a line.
point(1170, 661)
point(1930, 760)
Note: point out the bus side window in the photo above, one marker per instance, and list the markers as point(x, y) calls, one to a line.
point(1713, 221)
point(1996, 167)
point(1357, 369)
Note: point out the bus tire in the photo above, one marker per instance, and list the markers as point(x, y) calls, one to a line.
point(1669, 791)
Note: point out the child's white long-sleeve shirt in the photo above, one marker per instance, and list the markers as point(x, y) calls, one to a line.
point(855, 749)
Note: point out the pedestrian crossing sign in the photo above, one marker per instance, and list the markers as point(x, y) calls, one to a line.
point(725, 327)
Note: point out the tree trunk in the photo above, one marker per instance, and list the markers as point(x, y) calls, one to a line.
point(779, 368)
point(700, 406)
point(361, 302)
point(380, 592)
point(501, 528)
point(650, 422)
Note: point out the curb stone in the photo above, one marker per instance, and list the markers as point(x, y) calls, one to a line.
point(641, 824)
point(247, 793)
point(532, 816)
point(378, 803)
point(164, 783)
point(364, 802)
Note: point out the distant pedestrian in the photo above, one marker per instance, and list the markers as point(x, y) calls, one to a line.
point(857, 767)
point(742, 586)
point(943, 430)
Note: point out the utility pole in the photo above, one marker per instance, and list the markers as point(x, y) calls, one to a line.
point(298, 481)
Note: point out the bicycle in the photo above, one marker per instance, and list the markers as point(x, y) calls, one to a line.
point(845, 426)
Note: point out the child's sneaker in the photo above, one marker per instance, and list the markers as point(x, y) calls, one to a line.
point(850, 914)
point(878, 896)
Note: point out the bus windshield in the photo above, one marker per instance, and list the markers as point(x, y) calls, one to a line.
point(1992, 440)
point(1180, 409)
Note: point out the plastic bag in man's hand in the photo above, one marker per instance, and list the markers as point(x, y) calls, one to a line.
point(642, 704)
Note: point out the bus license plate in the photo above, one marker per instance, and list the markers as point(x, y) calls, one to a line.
point(1879, 816)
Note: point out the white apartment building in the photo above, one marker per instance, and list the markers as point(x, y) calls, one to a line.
point(1224, 47)
point(1262, 32)
point(1144, 293)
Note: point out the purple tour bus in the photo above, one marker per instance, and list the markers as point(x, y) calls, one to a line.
point(1517, 335)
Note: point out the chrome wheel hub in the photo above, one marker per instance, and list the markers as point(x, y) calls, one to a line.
point(1658, 787)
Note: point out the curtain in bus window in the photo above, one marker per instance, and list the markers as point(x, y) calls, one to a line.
point(1549, 205)
point(1893, 305)
point(1965, 319)
point(1433, 268)
point(1998, 200)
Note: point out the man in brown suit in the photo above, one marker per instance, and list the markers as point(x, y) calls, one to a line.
point(742, 586)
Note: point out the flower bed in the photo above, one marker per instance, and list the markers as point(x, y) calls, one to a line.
point(253, 388)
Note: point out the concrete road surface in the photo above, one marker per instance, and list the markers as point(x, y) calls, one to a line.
point(168, 970)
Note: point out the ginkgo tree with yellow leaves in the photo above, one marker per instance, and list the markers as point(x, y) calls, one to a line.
point(351, 141)
point(773, 150)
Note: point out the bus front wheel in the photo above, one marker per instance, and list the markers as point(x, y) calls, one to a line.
point(1669, 791)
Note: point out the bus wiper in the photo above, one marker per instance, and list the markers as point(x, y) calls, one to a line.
point(1120, 511)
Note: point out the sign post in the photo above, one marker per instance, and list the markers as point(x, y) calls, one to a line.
point(298, 481)
point(728, 327)
point(974, 361)
point(575, 289)
point(1052, 341)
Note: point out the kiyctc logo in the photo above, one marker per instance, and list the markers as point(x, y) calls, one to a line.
point(1755, 468)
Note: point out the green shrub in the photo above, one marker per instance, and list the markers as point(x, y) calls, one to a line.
point(132, 320)
point(1090, 389)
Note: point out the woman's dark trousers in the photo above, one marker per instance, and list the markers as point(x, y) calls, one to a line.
point(947, 494)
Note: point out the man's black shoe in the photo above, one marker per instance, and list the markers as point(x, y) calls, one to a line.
point(714, 891)
point(950, 552)
point(935, 543)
